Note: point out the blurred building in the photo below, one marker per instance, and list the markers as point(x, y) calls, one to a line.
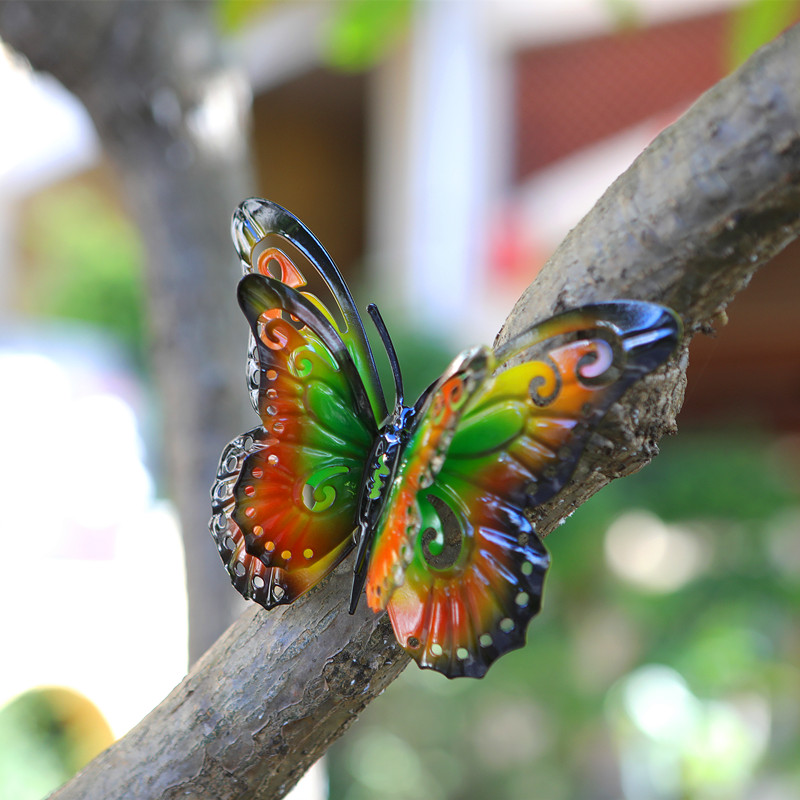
point(445, 176)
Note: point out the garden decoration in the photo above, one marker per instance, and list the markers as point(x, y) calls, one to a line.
point(433, 497)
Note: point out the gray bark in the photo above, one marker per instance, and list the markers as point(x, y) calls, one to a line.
point(712, 199)
point(174, 119)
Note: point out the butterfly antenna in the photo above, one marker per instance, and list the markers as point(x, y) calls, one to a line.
point(377, 319)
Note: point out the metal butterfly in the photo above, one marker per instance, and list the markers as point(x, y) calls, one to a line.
point(433, 496)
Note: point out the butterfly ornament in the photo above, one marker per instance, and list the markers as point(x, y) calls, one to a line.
point(435, 497)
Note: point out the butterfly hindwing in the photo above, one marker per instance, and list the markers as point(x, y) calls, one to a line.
point(456, 560)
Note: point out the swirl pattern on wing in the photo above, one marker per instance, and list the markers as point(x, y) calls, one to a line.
point(285, 496)
point(456, 561)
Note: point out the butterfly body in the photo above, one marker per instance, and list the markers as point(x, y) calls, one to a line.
point(435, 497)
point(379, 476)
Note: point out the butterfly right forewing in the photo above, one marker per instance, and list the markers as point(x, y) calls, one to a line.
point(456, 560)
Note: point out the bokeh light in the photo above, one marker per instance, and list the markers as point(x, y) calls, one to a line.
point(652, 555)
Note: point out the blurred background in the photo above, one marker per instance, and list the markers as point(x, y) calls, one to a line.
point(440, 151)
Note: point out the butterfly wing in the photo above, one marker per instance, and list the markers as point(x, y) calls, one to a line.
point(285, 495)
point(255, 224)
point(456, 561)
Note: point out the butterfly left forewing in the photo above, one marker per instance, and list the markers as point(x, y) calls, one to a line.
point(435, 424)
point(451, 560)
point(456, 560)
point(286, 492)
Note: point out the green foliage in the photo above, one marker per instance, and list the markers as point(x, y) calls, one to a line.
point(703, 475)
point(755, 23)
point(626, 14)
point(86, 264)
point(358, 36)
point(46, 736)
point(233, 15)
point(361, 32)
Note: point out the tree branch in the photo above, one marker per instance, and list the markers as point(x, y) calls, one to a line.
point(714, 197)
point(711, 199)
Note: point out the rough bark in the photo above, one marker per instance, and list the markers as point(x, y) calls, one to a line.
point(713, 198)
point(258, 709)
point(173, 118)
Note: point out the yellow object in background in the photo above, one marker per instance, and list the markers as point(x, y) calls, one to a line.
point(46, 736)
